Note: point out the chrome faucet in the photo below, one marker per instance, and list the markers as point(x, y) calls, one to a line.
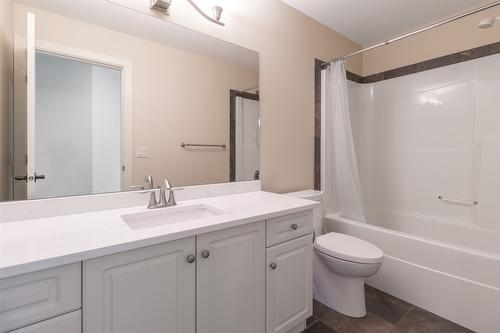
point(162, 200)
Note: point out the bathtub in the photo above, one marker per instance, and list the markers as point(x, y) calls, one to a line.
point(456, 282)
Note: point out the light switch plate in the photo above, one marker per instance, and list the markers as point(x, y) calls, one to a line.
point(141, 152)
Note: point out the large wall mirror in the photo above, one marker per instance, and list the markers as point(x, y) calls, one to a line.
point(104, 94)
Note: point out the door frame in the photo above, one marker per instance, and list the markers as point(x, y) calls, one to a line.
point(125, 67)
point(232, 127)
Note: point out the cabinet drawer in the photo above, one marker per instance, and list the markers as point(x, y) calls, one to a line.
point(283, 228)
point(33, 297)
point(68, 323)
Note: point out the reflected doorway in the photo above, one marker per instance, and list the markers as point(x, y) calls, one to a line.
point(244, 136)
point(77, 129)
point(77, 126)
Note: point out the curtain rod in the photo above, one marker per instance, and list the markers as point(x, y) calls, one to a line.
point(390, 41)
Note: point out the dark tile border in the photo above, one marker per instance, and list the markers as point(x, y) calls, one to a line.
point(318, 66)
point(450, 59)
point(232, 127)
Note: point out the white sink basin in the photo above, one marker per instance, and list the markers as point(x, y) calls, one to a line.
point(169, 215)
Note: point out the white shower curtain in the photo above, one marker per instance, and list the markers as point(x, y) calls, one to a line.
point(341, 170)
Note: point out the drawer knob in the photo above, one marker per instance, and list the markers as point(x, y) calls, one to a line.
point(273, 265)
point(294, 226)
point(190, 258)
point(205, 254)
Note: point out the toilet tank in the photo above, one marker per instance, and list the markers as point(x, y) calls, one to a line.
point(318, 214)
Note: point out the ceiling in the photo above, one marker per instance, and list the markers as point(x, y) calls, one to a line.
point(371, 21)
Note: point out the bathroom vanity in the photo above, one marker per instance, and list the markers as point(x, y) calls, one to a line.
point(230, 263)
point(87, 255)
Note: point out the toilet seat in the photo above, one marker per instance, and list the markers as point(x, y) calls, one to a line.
point(348, 248)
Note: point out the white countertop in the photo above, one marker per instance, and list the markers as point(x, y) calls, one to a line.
point(31, 245)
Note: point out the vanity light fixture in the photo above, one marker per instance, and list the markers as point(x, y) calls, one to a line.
point(164, 6)
point(161, 5)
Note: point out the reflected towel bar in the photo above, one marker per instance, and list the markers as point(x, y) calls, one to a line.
point(458, 201)
point(184, 145)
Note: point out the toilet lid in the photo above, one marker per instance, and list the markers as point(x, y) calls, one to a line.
point(348, 248)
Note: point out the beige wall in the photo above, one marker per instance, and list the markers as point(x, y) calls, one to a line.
point(6, 68)
point(450, 38)
point(177, 97)
point(288, 42)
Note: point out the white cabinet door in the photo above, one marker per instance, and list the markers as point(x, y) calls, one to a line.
point(147, 290)
point(289, 284)
point(231, 280)
point(67, 323)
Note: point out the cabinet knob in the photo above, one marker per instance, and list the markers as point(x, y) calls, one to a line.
point(190, 258)
point(205, 254)
point(273, 265)
point(294, 226)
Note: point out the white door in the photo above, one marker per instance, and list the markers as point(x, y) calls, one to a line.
point(289, 284)
point(231, 280)
point(24, 117)
point(24, 112)
point(31, 176)
point(78, 126)
point(247, 139)
point(148, 290)
point(26, 174)
point(68, 121)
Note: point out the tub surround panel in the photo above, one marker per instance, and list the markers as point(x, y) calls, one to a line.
point(440, 127)
point(450, 59)
point(432, 126)
point(488, 187)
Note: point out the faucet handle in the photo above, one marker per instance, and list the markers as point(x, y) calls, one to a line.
point(148, 182)
point(163, 188)
point(148, 185)
point(171, 197)
point(168, 184)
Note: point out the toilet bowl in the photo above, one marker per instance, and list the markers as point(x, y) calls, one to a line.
point(341, 263)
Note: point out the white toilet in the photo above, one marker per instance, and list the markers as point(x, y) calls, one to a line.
point(341, 263)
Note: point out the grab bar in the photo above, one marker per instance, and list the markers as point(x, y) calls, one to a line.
point(184, 145)
point(458, 201)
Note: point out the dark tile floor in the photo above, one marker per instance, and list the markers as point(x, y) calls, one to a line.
point(386, 314)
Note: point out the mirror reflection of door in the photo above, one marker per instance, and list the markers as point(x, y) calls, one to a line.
point(77, 127)
point(244, 136)
point(73, 133)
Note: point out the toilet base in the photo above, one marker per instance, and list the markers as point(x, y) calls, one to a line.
point(342, 294)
